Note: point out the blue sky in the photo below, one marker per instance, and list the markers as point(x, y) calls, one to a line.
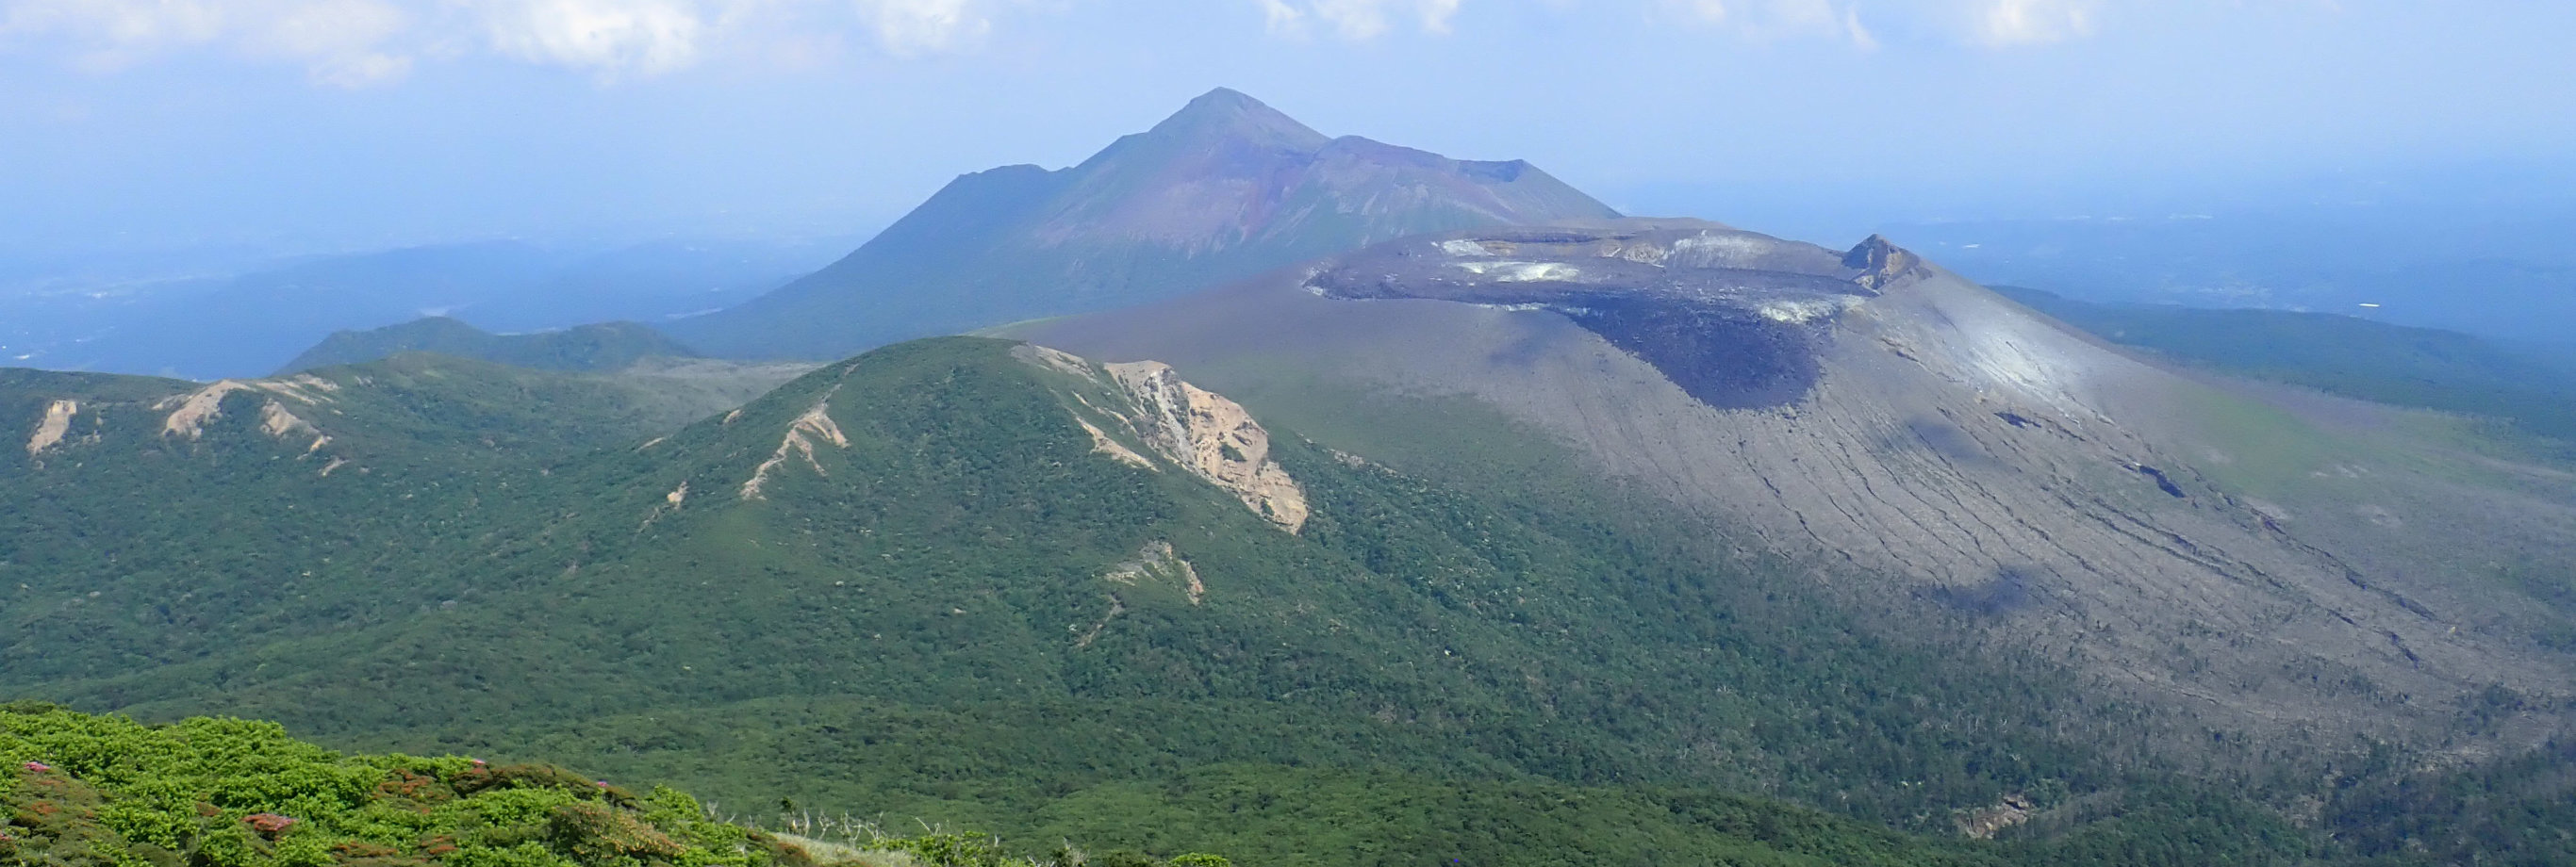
point(322, 124)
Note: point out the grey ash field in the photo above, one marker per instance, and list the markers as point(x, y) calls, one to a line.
point(1379, 508)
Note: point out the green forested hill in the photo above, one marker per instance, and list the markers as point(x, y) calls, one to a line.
point(601, 347)
point(947, 598)
point(2353, 357)
point(165, 521)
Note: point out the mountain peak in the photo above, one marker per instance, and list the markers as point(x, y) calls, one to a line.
point(1228, 113)
point(1880, 262)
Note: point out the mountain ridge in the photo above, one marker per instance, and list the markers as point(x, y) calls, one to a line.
point(1224, 188)
point(583, 348)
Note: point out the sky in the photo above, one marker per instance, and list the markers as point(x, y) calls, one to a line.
point(132, 125)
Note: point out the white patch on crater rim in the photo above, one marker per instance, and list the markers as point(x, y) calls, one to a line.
point(1805, 311)
point(1522, 272)
point(1465, 248)
point(1722, 245)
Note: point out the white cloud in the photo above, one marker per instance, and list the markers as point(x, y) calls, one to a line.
point(355, 43)
point(352, 43)
point(1776, 19)
point(1357, 20)
point(608, 37)
point(1860, 36)
point(112, 33)
point(1981, 23)
point(342, 42)
point(2006, 23)
point(912, 26)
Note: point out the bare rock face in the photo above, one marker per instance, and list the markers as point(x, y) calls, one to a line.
point(1211, 437)
point(190, 413)
point(1881, 262)
point(56, 423)
point(1200, 431)
point(804, 435)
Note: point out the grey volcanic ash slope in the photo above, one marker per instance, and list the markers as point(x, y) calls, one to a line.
point(1919, 438)
point(1222, 190)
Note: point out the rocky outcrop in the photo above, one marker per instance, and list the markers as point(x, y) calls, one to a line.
point(277, 422)
point(191, 412)
point(1200, 431)
point(1985, 824)
point(1157, 562)
point(1212, 438)
point(814, 426)
point(51, 429)
point(1880, 262)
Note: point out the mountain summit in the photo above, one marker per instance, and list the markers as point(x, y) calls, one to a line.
point(1223, 189)
point(1225, 114)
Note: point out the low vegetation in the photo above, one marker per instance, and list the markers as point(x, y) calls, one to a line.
point(213, 792)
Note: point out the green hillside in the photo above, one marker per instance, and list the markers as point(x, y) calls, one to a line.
point(1468, 649)
point(2358, 358)
point(220, 792)
point(140, 546)
point(970, 610)
point(603, 347)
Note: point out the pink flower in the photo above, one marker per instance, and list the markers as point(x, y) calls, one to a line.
point(477, 762)
point(603, 784)
point(39, 767)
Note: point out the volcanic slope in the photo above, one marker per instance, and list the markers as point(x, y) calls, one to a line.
point(1224, 189)
point(2266, 572)
point(970, 578)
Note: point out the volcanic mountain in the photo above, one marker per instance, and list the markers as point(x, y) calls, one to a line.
point(963, 577)
point(1224, 189)
point(2273, 567)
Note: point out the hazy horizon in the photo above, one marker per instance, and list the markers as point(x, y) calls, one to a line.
point(314, 125)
